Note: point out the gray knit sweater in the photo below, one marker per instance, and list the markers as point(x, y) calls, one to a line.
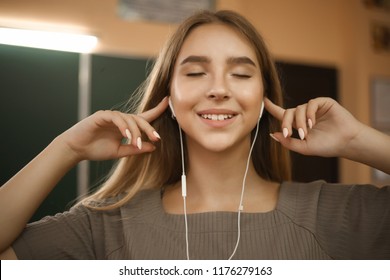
point(311, 221)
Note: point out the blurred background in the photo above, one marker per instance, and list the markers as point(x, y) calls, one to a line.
point(336, 48)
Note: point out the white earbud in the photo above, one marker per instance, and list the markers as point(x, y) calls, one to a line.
point(261, 110)
point(171, 106)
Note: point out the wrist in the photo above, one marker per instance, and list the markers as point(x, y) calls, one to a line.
point(370, 147)
point(69, 156)
point(358, 145)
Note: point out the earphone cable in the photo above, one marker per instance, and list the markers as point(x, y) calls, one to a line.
point(184, 192)
point(186, 225)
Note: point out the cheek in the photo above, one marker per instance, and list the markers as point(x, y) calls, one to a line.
point(185, 92)
point(182, 96)
point(250, 96)
point(180, 90)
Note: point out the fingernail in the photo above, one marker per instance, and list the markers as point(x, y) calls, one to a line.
point(301, 133)
point(285, 132)
point(310, 123)
point(128, 134)
point(273, 137)
point(156, 134)
point(139, 143)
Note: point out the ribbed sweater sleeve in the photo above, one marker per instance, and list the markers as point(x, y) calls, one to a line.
point(349, 221)
point(66, 235)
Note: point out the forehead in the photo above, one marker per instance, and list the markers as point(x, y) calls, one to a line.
point(216, 40)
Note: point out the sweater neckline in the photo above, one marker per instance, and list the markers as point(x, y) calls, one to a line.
point(280, 204)
point(218, 220)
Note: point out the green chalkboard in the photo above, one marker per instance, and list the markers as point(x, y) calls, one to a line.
point(38, 100)
point(114, 79)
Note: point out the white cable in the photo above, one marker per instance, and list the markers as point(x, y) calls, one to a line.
point(186, 225)
point(184, 192)
point(182, 152)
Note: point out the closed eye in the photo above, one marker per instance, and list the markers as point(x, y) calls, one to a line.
point(242, 76)
point(195, 74)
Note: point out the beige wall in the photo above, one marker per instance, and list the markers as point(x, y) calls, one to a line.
point(326, 32)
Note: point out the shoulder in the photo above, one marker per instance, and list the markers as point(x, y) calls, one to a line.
point(321, 200)
point(138, 200)
point(349, 221)
point(143, 202)
point(308, 199)
point(293, 194)
point(82, 232)
point(324, 189)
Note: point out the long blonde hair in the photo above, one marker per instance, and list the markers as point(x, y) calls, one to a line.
point(163, 166)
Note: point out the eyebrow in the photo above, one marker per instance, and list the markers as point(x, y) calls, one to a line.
point(230, 60)
point(195, 59)
point(241, 60)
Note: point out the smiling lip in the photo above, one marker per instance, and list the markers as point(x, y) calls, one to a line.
point(217, 117)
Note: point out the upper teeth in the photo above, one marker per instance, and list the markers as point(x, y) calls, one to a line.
point(217, 117)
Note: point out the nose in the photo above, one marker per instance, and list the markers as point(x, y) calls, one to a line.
point(218, 90)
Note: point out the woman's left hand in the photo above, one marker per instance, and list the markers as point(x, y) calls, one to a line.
point(325, 128)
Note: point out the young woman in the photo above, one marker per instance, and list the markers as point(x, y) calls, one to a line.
point(216, 74)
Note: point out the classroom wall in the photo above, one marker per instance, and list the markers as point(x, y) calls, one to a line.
point(320, 32)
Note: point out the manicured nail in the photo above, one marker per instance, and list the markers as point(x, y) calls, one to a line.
point(273, 137)
point(156, 134)
point(139, 143)
point(310, 123)
point(285, 132)
point(301, 133)
point(128, 134)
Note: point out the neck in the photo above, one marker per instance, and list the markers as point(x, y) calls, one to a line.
point(215, 179)
point(215, 172)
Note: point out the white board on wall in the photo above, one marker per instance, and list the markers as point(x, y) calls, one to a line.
point(380, 117)
point(380, 109)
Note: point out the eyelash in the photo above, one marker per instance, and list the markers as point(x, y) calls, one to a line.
point(198, 74)
point(242, 76)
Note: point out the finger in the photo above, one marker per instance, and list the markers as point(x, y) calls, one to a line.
point(290, 143)
point(300, 120)
point(312, 108)
point(133, 133)
point(149, 130)
point(287, 122)
point(155, 112)
point(130, 150)
point(273, 109)
point(126, 124)
point(318, 107)
point(112, 117)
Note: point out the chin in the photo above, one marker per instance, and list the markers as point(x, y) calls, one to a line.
point(219, 145)
point(218, 142)
point(219, 148)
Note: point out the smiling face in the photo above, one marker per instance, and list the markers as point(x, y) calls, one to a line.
point(216, 88)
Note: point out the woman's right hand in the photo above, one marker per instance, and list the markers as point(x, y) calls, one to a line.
point(99, 136)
